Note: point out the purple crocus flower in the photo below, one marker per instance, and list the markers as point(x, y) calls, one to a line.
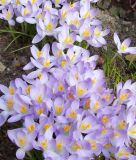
point(66, 38)
point(8, 14)
point(123, 48)
point(22, 140)
point(26, 14)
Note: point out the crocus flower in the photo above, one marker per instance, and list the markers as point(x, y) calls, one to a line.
point(123, 48)
point(98, 38)
point(66, 38)
point(26, 14)
point(22, 140)
point(8, 14)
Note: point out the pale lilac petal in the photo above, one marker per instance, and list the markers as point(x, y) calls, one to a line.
point(11, 22)
point(34, 51)
point(15, 118)
point(20, 19)
point(127, 42)
point(30, 20)
point(4, 89)
point(117, 40)
point(131, 50)
point(102, 40)
point(28, 66)
point(20, 154)
point(26, 99)
point(3, 117)
point(37, 39)
point(95, 22)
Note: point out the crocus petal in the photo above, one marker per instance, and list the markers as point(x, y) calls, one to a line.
point(20, 19)
point(127, 42)
point(15, 118)
point(28, 66)
point(3, 117)
point(37, 39)
point(4, 89)
point(30, 20)
point(131, 50)
point(20, 154)
point(117, 40)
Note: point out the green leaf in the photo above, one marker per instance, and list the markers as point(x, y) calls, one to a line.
point(11, 43)
point(13, 31)
point(19, 49)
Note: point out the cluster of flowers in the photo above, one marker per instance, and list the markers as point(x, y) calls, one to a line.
point(66, 109)
point(67, 22)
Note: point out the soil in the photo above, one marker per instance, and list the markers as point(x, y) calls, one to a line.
point(14, 62)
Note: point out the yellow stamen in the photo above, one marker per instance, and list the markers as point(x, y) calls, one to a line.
point(31, 128)
point(107, 146)
point(96, 105)
point(105, 119)
point(93, 144)
point(23, 109)
point(71, 96)
point(17, 2)
point(59, 146)
point(72, 114)
point(94, 80)
point(86, 33)
point(87, 14)
point(47, 63)
point(97, 33)
point(64, 13)
point(104, 131)
point(57, 1)
point(76, 146)
point(75, 22)
point(87, 104)
point(116, 134)
point(85, 126)
point(28, 89)
point(68, 40)
point(123, 47)
point(107, 97)
point(8, 16)
point(123, 153)
point(39, 99)
point(26, 11)
point(46, 126)
point(67, 128)
point(39, 111)
point(33, 2)
point(61, 88)
point(10, 104)
point(122, 125)
point(39, 54)
point(123, 96)
point(58, 109)
point(22, 141)
point(49, 27)
point(63, 63)
point(11, 90)
point(44, 144)
point(2, 2)
point(80, 91)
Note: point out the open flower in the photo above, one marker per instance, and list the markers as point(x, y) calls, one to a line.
point(123, 48)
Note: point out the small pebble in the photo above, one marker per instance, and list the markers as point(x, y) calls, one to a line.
point(2, 67)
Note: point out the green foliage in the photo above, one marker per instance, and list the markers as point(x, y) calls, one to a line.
point(117, 68)
point(34, 155)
